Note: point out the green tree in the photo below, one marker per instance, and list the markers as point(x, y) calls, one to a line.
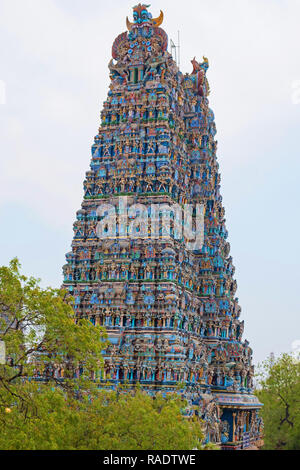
point(279, 391)
point(139, 422)
point(40, 330)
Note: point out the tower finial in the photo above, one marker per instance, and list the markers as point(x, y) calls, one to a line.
point(141, 16)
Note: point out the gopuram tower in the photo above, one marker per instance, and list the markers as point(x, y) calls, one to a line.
point(150, 259)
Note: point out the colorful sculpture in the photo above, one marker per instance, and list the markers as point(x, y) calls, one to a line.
point(170, 311)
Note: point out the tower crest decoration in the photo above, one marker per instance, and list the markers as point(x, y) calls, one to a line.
point(141, 16)
point(170, 308)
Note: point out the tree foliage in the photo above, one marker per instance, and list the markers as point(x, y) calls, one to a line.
point(280, 392)
point(109, 421)
point(48, 413)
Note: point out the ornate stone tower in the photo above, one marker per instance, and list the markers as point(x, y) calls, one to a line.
point(168, 305)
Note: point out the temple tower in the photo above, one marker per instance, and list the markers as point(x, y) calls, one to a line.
point(150, 259)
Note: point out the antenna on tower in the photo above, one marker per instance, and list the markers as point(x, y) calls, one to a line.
point(175, 50)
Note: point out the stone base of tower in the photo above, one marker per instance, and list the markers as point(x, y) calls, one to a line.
point(240, 410)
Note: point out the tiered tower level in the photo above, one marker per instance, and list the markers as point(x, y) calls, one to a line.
point(170, 311)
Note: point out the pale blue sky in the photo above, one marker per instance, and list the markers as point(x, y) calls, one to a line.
point(53, 61)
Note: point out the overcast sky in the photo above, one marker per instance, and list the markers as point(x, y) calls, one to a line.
point(53, 81)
